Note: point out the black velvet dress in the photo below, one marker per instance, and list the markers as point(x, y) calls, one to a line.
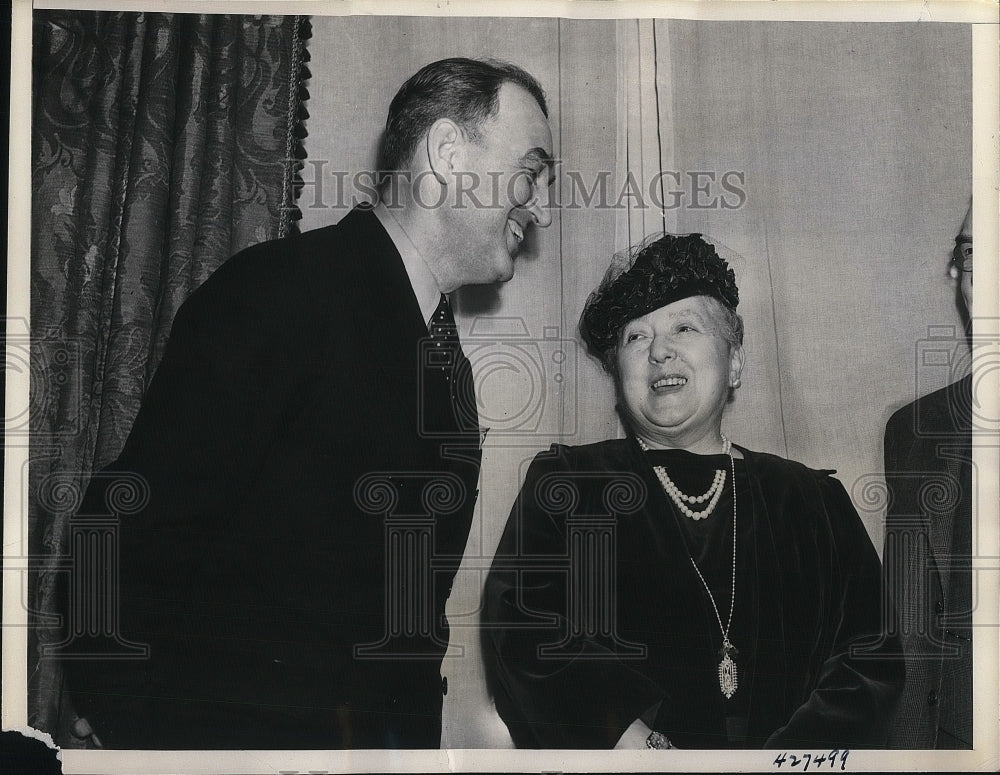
point(594, 615)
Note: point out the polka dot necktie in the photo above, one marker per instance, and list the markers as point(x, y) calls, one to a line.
point(444, 330)
point(453, 365)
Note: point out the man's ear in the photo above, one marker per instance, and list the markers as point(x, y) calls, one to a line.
point(442, 141)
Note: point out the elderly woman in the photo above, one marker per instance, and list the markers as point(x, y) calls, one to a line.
point(672, 588)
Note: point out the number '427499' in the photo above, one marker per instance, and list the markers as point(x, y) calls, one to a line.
point(829, 759)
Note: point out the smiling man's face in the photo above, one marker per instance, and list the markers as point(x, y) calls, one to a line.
point(502, 178)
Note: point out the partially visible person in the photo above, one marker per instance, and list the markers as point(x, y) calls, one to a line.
point(311, 448)
point(674, 589)
point(928, 547)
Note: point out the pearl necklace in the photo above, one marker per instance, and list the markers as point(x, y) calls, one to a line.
point(681, 499)
point(728, 677)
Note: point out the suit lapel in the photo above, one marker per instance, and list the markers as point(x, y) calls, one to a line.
point(383, 277)
point(952, 421)
point(387, 304)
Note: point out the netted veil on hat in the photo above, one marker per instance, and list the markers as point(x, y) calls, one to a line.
point(662, 269)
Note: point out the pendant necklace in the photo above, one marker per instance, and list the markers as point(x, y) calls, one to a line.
point(728, 678)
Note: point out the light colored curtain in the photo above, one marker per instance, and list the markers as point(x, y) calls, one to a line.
point(854, 141)
point(851, 147)
point(643, 149)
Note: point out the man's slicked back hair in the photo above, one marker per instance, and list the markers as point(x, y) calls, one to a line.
point(464, 90)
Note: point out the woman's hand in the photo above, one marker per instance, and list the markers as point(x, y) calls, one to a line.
point(634, 737)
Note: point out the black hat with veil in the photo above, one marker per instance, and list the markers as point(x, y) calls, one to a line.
point(660, 270)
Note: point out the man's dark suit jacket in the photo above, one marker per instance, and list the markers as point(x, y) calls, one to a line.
point(289, 436)
point(928, 541)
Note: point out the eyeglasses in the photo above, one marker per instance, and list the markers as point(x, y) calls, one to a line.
point(961, 256)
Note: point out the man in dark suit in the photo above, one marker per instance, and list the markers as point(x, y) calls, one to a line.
point(296, 493)
point(928, 548)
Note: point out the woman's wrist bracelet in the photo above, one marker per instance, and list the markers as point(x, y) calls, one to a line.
point(658, 740)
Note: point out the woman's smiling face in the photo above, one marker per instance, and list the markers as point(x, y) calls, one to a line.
point(675, 369)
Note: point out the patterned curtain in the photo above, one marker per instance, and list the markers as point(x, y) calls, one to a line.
point(161, 145)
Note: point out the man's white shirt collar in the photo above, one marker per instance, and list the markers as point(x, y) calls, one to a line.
point(422, 280)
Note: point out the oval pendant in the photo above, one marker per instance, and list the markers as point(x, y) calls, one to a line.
point(727, 676)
